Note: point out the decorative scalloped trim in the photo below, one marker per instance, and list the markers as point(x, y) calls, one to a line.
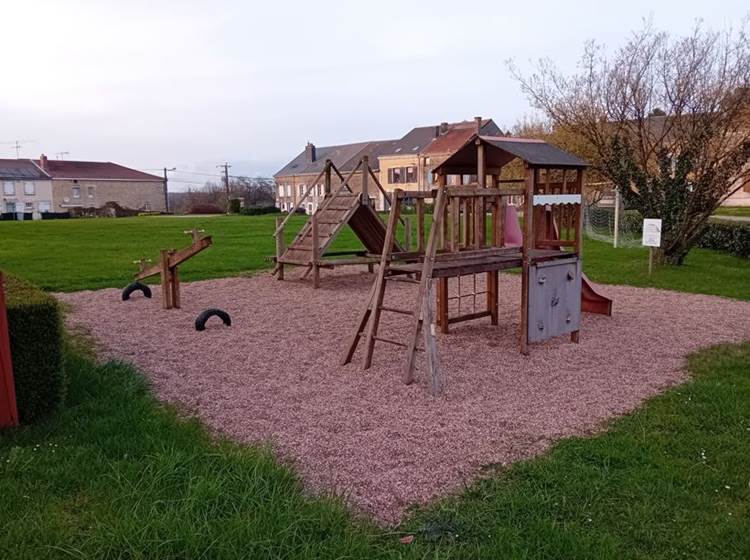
point(550, 199)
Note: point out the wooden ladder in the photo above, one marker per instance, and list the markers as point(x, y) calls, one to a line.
point(369, 320)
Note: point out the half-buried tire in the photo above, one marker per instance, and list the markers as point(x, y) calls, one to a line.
point(200, 321)
point(136, 287)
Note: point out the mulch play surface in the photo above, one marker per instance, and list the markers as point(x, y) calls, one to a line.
point(273, 376)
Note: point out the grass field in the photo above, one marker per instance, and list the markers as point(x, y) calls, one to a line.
point(69, 255)
point(118, 475)
point(741, 211)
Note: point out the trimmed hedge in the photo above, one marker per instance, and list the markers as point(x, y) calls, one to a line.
point(258, 210)
point(727, 236)
point(35, 325)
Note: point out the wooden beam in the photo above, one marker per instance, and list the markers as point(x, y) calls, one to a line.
point(365, 164)
point(528, 245)
point(280, 243)
point(315, 252)
point(177, 257)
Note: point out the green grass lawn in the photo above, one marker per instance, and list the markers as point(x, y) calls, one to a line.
point(69, 255)
point(742, 211)
point(115, 474)
point(118, 475)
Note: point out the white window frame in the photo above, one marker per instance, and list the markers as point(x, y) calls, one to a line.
point(90, 191)
point(76, 191)
point(29, 188)
point(9, 188)
point(44, 206)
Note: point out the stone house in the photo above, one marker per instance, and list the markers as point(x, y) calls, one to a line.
point(92, 184)
point(403, 163)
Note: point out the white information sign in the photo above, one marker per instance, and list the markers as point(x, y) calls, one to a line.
point(651, 232)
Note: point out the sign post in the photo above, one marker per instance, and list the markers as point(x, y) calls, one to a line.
point(651, 239)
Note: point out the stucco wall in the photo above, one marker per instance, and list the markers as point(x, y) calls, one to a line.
point(42, 194)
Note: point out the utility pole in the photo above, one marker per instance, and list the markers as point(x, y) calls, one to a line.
point(226, 167)
point(166, 191)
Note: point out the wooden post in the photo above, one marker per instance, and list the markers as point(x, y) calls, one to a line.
point(327, 183)
point(365, 177)
point(578, 216)
point(407, 233)
point(455, 203)
point(420, 225)
point(442, 305)
point(8, 405)
point(175, 275)
point(166, 284)
point(528, 245)
point(423, 320)
point(280, 241)
point(492, 295)
point(315, 252)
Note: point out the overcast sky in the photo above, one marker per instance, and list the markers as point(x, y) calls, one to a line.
point(191, 84)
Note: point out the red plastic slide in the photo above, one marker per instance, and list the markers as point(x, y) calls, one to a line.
point(592, 301)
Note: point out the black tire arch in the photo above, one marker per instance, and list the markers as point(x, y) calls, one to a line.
point(203, 316)
point(135, 287)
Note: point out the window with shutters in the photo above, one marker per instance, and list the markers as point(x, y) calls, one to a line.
point(411, 175)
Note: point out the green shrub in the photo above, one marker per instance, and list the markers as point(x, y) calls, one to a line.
point(234, 206)
point(726, 236)
point(258, 210)
point(35, 325)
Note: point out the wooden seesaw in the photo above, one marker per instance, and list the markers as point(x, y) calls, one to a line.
point(169, 260)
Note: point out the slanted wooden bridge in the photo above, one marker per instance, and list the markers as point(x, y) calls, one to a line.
point(339, 208)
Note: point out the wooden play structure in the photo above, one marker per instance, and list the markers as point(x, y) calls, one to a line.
point(339, 208)
point(471, 235)
point(169, 260)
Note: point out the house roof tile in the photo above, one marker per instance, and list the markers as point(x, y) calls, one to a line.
point(68, 169)
point(20, 169)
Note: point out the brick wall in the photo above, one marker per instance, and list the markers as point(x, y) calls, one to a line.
point(136, 195)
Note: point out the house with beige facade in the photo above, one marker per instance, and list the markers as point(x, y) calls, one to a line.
point(404, 163)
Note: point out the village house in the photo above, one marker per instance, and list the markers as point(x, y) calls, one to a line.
point(405, 163)
point(92, 184)
point(26, 190)
point(36, 189)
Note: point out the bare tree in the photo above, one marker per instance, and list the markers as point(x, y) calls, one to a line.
point(668, 118)
point(543, 128)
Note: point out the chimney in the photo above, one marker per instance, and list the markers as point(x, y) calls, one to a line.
point(478, 121)
point(443, 127)
point(43, 162)
point(310, 152)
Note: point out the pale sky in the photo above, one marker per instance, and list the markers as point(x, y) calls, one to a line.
point(192, 84)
